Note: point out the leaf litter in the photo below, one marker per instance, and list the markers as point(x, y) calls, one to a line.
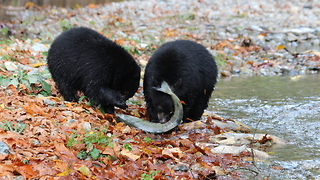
point(57, 140)
point(57, 132)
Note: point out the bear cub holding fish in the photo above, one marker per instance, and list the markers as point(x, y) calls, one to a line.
point(191, 72)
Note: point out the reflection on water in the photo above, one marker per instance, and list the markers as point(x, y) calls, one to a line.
point(288, 107)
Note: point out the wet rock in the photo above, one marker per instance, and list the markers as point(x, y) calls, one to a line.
point(225, 149)
point(246, 70)
point(35, 143)
point(87, 126)
point(315, 42)
point(288, 71)
point(229, 124)
point(181, 168)
point(67, 113)
point(4, 149)
point(49, 102)
point(292, 37)
point(239, 139)
point(39, 47)
point(72, 121)
point(10, 66)
point(226, 73)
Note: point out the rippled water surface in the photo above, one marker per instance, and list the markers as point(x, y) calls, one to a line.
point(288, 107)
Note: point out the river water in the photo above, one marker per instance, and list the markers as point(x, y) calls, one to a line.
point(288, 107)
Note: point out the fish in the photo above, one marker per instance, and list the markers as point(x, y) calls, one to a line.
point(152, 127)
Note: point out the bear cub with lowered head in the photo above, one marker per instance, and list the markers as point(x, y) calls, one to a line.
point(81, 59)
point(191, 72)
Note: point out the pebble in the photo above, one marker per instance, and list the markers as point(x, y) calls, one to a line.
point(10, 66)
point(87, 126)
point(266, 23)
point(49, 102)
point(4, 149)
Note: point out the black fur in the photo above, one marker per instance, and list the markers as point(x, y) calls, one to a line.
point(190, 71)
point(81, 59)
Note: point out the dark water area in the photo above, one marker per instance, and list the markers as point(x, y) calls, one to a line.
point(288, 107)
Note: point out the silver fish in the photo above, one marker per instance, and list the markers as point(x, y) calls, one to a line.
point(152, 127)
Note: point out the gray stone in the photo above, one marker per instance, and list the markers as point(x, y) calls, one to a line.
point(4, 149)
point(49, 102)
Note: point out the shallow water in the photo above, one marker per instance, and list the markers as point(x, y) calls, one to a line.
point(288, 107)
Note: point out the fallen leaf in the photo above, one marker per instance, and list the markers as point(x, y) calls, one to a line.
point(84, 170)
point(174, 153)
point(129, 154)
point(68, 171)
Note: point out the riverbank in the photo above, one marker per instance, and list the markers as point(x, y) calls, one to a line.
point(48, 137)
point(256, 37)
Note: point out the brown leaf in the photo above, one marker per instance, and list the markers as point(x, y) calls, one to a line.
point(26, 171)
point(64, 153)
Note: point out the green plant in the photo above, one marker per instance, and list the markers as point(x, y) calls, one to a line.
point(93, 153)
point(186, 16)
point(8, 126)
point(8, 57)
point(31, 81)
point(221, 59)
point(88, 103)
point(127, 147)
point(65, 25)
point(90, 140)
point(25, 162)
point(134, 102)
point(147, 140)
point(4, 31)
point(149, 176)
point(132, 50)
point(45, 53)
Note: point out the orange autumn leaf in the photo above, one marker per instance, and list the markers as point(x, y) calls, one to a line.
point(92, 6)
point(64, 153)
point(26, 171)
point(6, 169)
point(68, 171)
point(34, 109)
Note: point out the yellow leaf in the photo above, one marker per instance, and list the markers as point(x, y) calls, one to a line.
point(68, 171)
point(37, 65)
point(84, 170)
point(29, 4)
point(281, 47)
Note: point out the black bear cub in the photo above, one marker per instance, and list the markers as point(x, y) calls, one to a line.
point(82, 60)
point(191, 72)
